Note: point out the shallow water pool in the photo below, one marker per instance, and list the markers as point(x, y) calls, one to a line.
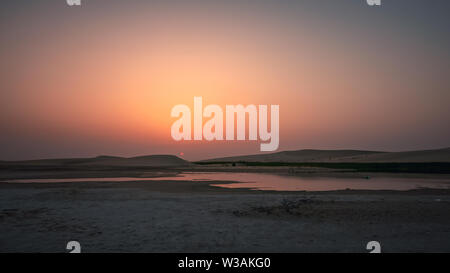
point(274, 182)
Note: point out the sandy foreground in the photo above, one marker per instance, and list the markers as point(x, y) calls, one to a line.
point(186, 216)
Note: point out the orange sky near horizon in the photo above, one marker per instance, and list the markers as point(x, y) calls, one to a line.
point(103, 79)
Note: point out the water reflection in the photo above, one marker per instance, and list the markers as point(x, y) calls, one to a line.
point(264, 181)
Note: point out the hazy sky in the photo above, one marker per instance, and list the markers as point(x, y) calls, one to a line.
point(102, 78)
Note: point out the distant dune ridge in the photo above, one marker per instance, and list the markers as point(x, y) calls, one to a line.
point(139, 161)
point(350, 156)
point(307, 155)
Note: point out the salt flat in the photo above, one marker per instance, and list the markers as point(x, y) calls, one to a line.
point(186, 216)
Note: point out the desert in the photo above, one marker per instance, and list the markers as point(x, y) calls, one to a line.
point(171, 213)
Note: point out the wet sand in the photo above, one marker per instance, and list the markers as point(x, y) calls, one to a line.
point(186, 216)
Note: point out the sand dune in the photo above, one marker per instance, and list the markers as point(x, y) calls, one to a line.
point(144, 161)
point(308, 155)
point(438, 155)
point(299, 156)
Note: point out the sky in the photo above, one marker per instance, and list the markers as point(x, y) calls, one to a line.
point(102, 78)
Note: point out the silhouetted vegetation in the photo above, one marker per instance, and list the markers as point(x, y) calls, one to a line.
point(413, 167)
